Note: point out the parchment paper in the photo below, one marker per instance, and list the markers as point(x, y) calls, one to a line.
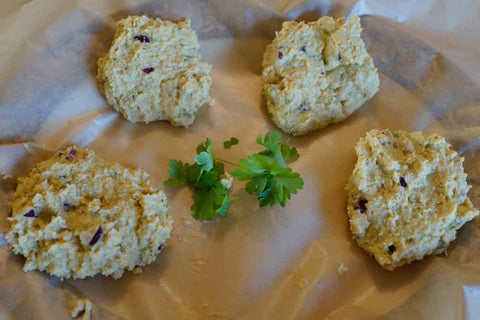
point(269, 263)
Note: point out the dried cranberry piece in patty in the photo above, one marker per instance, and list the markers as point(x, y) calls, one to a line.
point(148, 70)
point(30, 214)
point(96, 236)
point(142, 38)
point(361, 205)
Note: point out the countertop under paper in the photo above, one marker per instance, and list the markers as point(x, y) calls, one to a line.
point(257, 263)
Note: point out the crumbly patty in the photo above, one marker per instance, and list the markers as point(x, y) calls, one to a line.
point(317, 73)
point(77, 215)
point(153, 71)
point(407, 196)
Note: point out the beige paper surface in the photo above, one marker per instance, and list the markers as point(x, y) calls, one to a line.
point(268, 263)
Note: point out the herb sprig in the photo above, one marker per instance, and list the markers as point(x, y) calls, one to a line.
point(267, 173)
point(205, 177)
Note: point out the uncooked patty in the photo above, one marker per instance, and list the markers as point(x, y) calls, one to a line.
point(407, 196)
point(77, 215)
point(153, 72)
point(317, 73)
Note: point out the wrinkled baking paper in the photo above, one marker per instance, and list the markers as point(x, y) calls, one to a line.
point(268, 263)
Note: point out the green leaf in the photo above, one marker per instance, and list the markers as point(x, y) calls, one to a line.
point(280, 151)
point(209, 195)
point(261, 183)
point(204, 160)
point(271, 182)
point(266, 173)
point(265, 198)
point(289, 153)
point(209, 201)
point(219, 168)
point(229, 143)
point(280, 189)
point(222, 210)
point(194, 172)
point(206, 146)
point(203, 199)
point(257, 164)
point(179, 173)
point(208, 178)
point(273, 143)
point(285, 185)
point(257, 184)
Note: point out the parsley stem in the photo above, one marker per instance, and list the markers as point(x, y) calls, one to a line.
point(226, 161)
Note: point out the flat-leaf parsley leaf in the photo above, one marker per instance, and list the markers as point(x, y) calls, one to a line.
point(205, 177)
point(229, 143)
point(267, 172)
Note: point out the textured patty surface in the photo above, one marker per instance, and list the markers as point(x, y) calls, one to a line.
point(407, 196)
point(317, 73)
point(153, 72)
point(77, 215)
